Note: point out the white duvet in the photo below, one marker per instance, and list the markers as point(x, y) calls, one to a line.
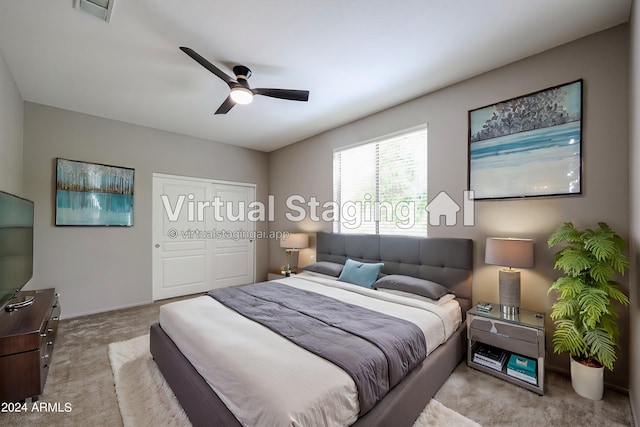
point(266, 380)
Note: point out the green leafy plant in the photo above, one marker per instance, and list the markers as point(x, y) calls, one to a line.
point(584, 313)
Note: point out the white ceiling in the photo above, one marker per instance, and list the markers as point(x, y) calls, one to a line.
point(356, 57)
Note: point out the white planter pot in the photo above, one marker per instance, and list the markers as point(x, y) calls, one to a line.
point(587, 381)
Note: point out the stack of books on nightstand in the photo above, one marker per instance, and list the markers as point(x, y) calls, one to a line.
point(522, 368)
point(490, 356)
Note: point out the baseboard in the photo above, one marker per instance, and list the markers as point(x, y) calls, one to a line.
point(634, 414)
point(126, 306)
point(105, 310)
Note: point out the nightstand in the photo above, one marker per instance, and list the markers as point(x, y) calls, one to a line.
point(274, 276)
point(281, 275)
point(521, 334)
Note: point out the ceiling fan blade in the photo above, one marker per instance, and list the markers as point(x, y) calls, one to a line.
point(208, 65)
point(226, 106)
point(290, 94)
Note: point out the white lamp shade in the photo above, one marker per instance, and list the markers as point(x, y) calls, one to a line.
point(509, 252)
point(294, 241)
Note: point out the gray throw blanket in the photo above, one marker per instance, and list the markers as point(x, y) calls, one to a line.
point(375, 349)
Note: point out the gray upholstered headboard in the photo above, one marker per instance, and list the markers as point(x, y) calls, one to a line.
point(448, 261)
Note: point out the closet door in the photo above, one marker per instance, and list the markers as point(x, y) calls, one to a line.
point(195, 250)
point(233, 257)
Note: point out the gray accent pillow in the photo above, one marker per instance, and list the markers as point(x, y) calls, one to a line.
point(413, 285)
point(325, 267)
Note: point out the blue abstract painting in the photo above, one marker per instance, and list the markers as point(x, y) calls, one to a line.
point(528, 146)
point(93, 194)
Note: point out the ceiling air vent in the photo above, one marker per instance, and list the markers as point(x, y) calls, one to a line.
point(100, 8)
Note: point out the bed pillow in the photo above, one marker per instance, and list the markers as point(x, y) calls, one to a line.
point(360, 273)
point(325, 267)
point(412, 285)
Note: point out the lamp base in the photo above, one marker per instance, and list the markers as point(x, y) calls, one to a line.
point(509, 285)
point(509, 312)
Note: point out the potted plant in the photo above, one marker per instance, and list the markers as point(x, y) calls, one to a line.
point(584, 313)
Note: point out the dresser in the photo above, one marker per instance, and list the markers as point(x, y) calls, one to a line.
point(27, 338)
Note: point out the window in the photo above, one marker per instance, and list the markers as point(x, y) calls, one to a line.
point(380, 186)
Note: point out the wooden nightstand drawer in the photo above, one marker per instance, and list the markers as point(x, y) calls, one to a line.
point(502, 341)
point(505, 329)
point(518, 333)
point(481, 324)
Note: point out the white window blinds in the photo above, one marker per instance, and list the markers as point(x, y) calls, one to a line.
point(381, 186)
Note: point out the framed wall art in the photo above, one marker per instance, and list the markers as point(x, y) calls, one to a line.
point(528, 146)
point(93, 194)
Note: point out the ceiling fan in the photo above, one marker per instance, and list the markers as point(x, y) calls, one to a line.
point(241, 93)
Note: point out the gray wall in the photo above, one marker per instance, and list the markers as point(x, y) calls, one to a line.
point(601, 60)
point(11, 125)
point(634, 196)
point(102, 268)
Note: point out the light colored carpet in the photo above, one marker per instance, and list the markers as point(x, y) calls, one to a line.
point(145, 399)
point(493, 402)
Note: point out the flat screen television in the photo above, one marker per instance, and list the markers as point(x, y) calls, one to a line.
point(16, 245)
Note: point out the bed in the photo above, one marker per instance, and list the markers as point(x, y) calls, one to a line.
point(446, 261)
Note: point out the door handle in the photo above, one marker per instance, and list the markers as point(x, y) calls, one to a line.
point(157, 245)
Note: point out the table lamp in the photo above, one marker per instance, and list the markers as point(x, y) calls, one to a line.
point(293, 242)
point(509, 253)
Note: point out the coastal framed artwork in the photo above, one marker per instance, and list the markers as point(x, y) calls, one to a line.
point(93, 194)
point(529, 146)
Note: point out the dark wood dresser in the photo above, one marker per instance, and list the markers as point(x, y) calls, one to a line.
point(27, 338)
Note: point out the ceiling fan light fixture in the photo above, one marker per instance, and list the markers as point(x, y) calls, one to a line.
point(241, 95)
point(240, 91)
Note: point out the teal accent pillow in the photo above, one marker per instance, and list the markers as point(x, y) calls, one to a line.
point(360, 273)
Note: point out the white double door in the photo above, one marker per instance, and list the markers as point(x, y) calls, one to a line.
point(202, 237)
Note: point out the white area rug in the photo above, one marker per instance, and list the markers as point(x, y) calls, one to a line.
point(145, 398)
